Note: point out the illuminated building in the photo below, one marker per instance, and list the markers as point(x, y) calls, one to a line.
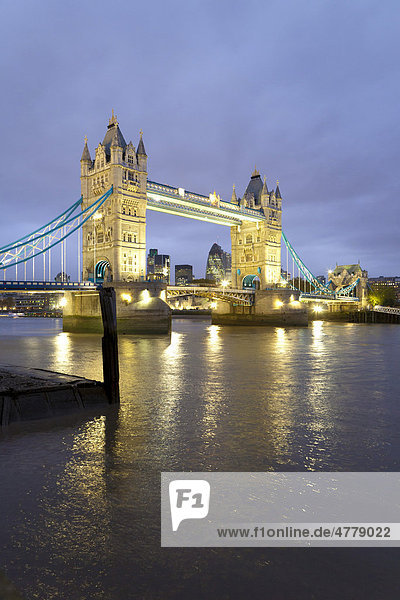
point(218, 265)
point(158, 266)
point(114, 240)
point(389, 282)
point(183, 274)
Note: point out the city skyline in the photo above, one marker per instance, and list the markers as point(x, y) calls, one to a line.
point(315, 112)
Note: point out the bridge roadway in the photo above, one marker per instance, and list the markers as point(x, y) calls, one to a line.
point(243, 297)
point(47, 286)
point(237, 296)
point(177, 201)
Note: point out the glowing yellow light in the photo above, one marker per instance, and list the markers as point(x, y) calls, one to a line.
point(280, 338)
point(318, 309)
point(163, 295)
point(97, 216)
point(126, 298)
point(145, 296)
point(214, 339)
point(62, 352)
point(213, 305)
point(225, 283)
point(63, 302)
point(278, 303)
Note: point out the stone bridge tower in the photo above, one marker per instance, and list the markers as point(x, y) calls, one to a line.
point(114, 240)
point(256, 247)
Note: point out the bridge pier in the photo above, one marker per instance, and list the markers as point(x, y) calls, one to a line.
point(277, 307)
point(141, 308)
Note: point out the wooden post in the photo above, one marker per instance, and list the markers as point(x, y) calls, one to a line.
point(110, 344)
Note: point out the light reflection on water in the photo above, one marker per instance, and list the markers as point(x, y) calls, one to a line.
point(208, 398)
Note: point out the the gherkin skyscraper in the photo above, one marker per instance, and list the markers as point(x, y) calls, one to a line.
point(218, 265)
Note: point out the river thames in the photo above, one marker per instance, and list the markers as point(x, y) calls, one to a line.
point(79, 496)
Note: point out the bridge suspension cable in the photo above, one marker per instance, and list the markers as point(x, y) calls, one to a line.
point(316, 286)
point(54, 233)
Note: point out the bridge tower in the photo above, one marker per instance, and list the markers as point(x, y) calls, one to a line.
point(114, 240)
point(256, 247)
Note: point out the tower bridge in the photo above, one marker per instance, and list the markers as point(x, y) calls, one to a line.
point(118, 238)
point(108, 226)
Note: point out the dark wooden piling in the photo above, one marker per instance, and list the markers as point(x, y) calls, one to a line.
point(110, 344)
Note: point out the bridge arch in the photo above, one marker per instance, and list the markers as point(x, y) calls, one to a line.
point(251, 282)
point(103, 270)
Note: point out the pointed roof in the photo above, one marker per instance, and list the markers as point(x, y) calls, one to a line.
point(86, 153)
point(113, 136)
point(234, 197)
point(255, 186)
point(278, 191)
point(351, 269)
point(216, 249)
point(265, 187)
point(115, 139)
point(140, 148)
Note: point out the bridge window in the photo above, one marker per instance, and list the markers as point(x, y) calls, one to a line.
point(249, 239)
point(240, 240)
point(130, 160)
point(258, 238)
point(249, 258)
point(134, 239)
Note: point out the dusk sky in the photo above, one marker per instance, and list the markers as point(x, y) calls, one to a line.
point(306, 90)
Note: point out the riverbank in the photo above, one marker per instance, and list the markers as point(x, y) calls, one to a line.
point(355, 316)
point(28, 394)
point(191, 313)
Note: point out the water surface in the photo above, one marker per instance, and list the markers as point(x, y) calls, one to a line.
point(80, 497)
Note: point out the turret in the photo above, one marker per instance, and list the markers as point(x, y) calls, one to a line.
point(253, 190)
point(141, 154)
point(116, 148)
point(264, 193)
point(114, 143)
point(234, 199)
point(86, 160)
point(278, 195)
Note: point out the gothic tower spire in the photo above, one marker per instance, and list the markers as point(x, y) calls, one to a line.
point(140, 148)
point(86, 154)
